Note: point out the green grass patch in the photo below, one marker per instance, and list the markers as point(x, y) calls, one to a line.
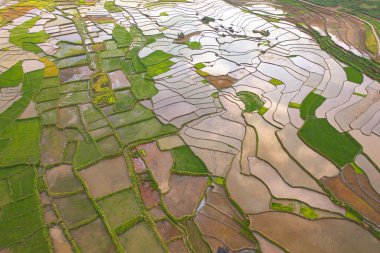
point(137, 114)
point(160, 68)
point(124, 100)
point(185, 161)
point(275, 81)
point(219, 180)
point(120, 207)
point(310, 104)
point(155, 58)
point(308, 212)
point(194, 45)
point(340, 148)
point(352, 216)
point(21, 37)
point(282, 208)
point(262, 110)
point(85, 153)
point(294, 105)
point(21, 225)
point(12, 77)
point(142, 87)
point(370, 40)
point(122, 37)
point(353, 75)
point(111, 7)
point(145, 130)
point(164, 14)
point(199, 65)
point(357, 169)
point(251, 101)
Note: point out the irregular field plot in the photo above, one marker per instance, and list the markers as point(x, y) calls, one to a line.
point(120, 207)
point(106, 176)
point(62, 179)
point(140, 238)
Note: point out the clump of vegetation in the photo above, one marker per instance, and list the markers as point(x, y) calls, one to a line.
point(282, 208)
point(251, 101)
point(219, 180)
point(12, 77)
point(263, 110)
point(294, 105)
point(275, 81)
point(185, 161)
point(353, 75)
point(156, 57)
point(112, 7)
point(121, 36)
point(206, 20)
point(308, 212)
point(194, 45)
point(357, 169)
point(164, 14)
point(199, 65)
point(310, 104)
point(101, 91)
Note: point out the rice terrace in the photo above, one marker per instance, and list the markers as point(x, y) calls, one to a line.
point(190, 126)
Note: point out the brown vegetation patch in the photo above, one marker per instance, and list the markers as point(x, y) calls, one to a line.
point(93, 238)
point(343, 192)
point(106, 176)
point(184, 195)
point(159, 162)
point(167, 230)
point(221, 82)
point(150, 197)
point(299, 235)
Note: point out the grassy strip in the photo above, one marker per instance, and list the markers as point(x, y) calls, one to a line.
point(310, 104)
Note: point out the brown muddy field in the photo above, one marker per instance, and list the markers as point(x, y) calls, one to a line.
point(159, 162)
point(221, 82)
point(167, 230)
point(184, 195)
point(60, 243)
point(106, 176)
point(62, 179)
point(299, 235)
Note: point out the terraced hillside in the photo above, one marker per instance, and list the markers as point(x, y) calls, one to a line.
point(185, 127)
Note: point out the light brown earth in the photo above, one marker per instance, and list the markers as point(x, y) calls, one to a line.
point(221, 82)
point(160, 163)
point(167, 230)
point(93, 238)
point(170, 142)
point(177, 246)
point(150, 197)
point(139, 165)
point(30, 111)
point(106, 176)
point(299, 235)
point(60, 243)
point(184, 195)
point(62, 179)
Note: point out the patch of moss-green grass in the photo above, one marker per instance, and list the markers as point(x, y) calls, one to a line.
point(262, 110)
point(23, 144)
point(85, 153)
point(73, 87)
point(219, 180)
point(138, 66)
point(21, 225)
point(340, 148)
point(164, 14)
point(194, 45)
point(282, 208)
point(155, 58)
point(352, 216)
point(162, 67)
point(275, 81)
point(127, 66)
point(199, 65)
point(137, 114)
point(185, 161)
point(12, 77)
point(47, 95)
point(122, 37)
point(308, 212)
point(124, 100)
point(112, 7)
point(120, 207)
point(310, 104)
point(353, 75)
point(21, 37)
point(145, 130)
point(294, 105)
point(115, 63)
point(251, 101)
point(73, 98)
point(142, 86)
point(357, 169)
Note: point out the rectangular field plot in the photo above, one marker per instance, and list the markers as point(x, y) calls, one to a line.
point(120, 207)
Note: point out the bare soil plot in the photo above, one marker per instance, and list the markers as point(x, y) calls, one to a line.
point(93, 237)
point(30, 111)
point(62, 179)
point(120, 207)
point(49, 215)
point(324, 235)
point(60, 243)
point(160, 163)
point(221, 82)
point(119, 80)
point(195, 238)
point(167, 230)
point(52, 145)
point(75, 208)
point(106, 176)
point(157, 213)
point(140, 238)
point(184, 195)
point(177, 246)
point(170, 142)
point(343, 192)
